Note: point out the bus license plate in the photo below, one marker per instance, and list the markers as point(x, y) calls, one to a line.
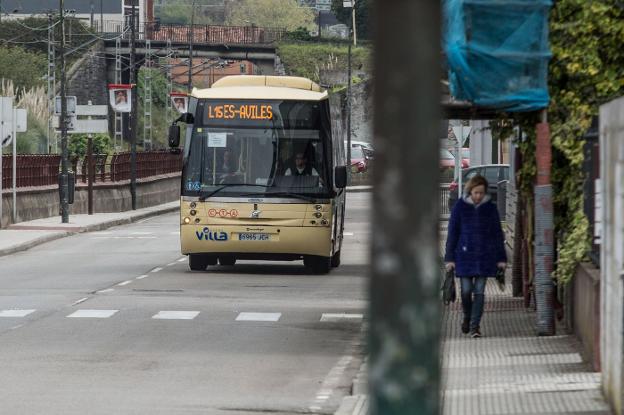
point(254, 237)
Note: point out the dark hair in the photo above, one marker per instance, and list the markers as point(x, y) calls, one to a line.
point(474, 182)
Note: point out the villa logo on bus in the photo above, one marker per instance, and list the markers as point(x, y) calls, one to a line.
point(207, 235)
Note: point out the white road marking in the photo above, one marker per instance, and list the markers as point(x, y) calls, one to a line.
point(156, 269)
point(175, 233)
point(16, 327)
point(146, 237)
point(142, 276)
point(258, 317)
point(171, 264)
point(182, 259)
point(16, 313)
point(121, 284)
point(331, 382)
point(104, 233)
point(108, 290)
point(92, 314)
point(348, 234)
point(82, 300)
point(176, 315)
point(341, 316)
point(141, 233)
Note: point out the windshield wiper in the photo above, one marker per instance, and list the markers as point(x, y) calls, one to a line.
point(203, 196)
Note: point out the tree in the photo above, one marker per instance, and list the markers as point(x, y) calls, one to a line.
point(362, 16)
point(285, 14)
point(25, 69)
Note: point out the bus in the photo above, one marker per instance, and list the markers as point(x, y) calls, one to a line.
point(264, 174)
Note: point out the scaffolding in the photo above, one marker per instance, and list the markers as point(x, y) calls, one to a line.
point(118, 138)
point(147, 98)
point(51, 88)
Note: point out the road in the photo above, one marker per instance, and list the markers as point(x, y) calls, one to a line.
point(114, 322)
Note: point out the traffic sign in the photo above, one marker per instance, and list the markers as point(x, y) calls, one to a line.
point(461, 133)
point(6, 120)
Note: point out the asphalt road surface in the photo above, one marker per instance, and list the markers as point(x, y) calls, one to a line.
point(114, 322)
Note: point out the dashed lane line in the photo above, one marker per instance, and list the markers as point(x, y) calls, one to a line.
point(16, 313)
point(121, 284)
point(142, 276)
point(107, 290)
point(176, 315)
point(82, 300)
point(258, 316)
point(157, 269)
point(92, 314)
point(333, 317)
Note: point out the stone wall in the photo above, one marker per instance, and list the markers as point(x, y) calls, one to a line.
point(43, 202)
point(87, 78)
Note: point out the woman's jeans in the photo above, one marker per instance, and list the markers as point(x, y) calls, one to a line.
point(473, 299)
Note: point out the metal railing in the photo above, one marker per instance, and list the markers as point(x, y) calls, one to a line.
point(210, 34)
point(34, 170)
point(443, 195)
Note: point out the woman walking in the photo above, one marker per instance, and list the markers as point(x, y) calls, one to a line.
point(475, 248)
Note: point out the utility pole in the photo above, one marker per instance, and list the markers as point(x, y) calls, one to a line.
point(404, 333)
point(190, 65)
point(63, 124)
point(353, 23)
point(133, 112)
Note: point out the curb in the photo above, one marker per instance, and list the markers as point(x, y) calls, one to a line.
point(31, 244)
point(353, 405)
point(88, 228)
point(359, 189)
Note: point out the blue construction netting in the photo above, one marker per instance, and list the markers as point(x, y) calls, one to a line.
point(498, 52)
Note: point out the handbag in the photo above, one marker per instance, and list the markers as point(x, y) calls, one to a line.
point(500, 279)
point(449, 295)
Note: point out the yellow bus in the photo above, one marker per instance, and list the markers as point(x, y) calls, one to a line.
point(264, 175)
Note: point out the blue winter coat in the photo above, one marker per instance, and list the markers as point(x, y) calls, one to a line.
point(475, 239)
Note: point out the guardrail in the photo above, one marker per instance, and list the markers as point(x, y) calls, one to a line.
point(35, 170)
point(211, 34)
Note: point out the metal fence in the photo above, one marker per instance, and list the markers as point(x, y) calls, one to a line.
point(443, 194)
point(591, 171)
point(201, 33)
point(35, 170)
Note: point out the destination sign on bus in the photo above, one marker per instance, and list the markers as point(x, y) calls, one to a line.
point(239, 112)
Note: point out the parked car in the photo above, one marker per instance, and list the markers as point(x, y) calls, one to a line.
point(447, 165)
point(493, 173)
point(359, 161)
point(367, 148)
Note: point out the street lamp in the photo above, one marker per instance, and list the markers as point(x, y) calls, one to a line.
point(191, 35)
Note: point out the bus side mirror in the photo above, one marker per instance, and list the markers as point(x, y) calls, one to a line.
point(340, 177)
point(174, 136)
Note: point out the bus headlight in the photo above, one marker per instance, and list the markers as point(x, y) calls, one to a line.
point(187, 221)
point(317, 215)
point(324, 222)
point(193, 212)
point(193, 205)
point(318, 207)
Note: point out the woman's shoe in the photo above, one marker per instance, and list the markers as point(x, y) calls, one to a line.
point(475, 333)
point(465, 327)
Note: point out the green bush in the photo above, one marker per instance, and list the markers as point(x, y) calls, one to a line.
point(77, 144)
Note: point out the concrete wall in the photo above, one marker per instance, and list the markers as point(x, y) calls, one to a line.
point(35, 203)
point(586, 311)
point(612, 250)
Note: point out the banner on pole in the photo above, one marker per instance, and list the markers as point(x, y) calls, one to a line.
point(120, 96)
point(179, 101)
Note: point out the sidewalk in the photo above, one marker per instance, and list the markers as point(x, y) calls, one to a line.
point(509, 370)
point(25, 235)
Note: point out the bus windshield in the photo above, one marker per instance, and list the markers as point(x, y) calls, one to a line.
point(271, 148)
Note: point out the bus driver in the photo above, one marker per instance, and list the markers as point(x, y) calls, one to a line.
point(302, 168)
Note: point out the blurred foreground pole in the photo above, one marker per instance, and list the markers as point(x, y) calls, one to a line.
point(405, 305)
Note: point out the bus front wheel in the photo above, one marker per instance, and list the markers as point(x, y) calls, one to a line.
point(199, 262)
point(318, 264)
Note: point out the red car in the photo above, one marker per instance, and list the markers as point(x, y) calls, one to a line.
point(359, 161)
